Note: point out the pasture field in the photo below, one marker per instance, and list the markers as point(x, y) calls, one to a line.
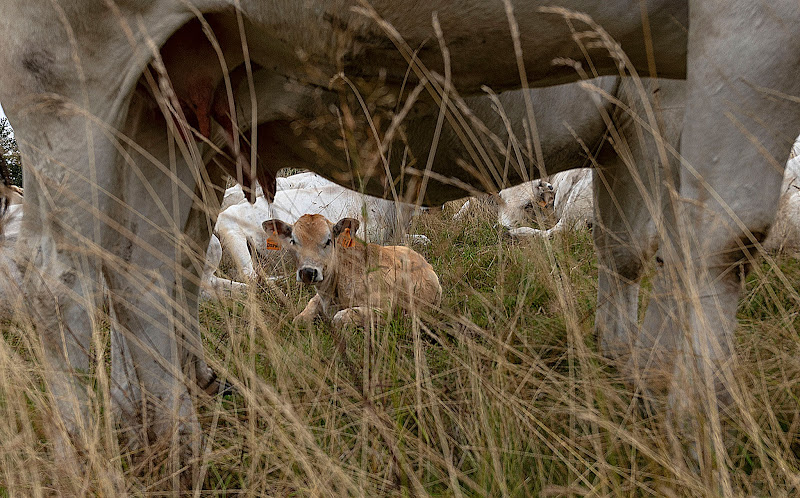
point(500, 392)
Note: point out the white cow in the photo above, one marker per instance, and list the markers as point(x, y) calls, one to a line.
point(212, 287)
point(107, 98)
point(517, 205)
point(10, 275)
point(785, 233)
point(572, 204)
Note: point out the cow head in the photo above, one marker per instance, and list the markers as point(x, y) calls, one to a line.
point(312, 241)
point(526, 203)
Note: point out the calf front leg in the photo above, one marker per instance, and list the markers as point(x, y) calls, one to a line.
point(312, 310)
point(357, 316)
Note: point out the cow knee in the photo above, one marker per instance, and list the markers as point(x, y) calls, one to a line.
point(626, 263)
point(347, 318)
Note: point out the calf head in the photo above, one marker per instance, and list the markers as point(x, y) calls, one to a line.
point(312, 241)
point(524, 203)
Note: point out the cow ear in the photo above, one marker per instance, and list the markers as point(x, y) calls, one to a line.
point(350, 223)
point(281, 229)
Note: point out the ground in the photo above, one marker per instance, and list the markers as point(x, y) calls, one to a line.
point(499, 392)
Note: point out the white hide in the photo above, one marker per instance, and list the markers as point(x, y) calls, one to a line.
point(785, 232)
point(524, 203)
point(235, 194)
point(574, 206)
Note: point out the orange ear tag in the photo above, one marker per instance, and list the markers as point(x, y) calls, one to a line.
point(272, 242)
point(345, 239)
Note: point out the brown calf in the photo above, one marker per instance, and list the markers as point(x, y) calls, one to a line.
point(352, 277)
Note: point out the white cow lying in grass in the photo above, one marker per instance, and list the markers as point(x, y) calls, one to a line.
point(572, 204)
point(353, 278)
point(239, 225)
point(519, 205)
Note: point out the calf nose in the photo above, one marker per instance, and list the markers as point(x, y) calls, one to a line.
point(307, 275)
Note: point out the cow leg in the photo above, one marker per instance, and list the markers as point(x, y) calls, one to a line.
point(234, 240)
point(529, 232)
point(623, 242)
point(313, 309)
point(154, 274)
point(214, 287)
point(60, 238)
point(62, 299)
point(631, 185)
point(738, 129)
point(126, 395)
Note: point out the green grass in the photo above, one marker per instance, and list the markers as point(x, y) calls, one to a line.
point(499, 392)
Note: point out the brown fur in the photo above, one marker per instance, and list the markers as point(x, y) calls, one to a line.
point(354, 280)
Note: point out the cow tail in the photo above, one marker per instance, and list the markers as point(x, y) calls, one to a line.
point(4, 172)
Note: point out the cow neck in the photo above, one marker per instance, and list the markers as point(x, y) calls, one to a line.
point(350, 257)
point(328, 288)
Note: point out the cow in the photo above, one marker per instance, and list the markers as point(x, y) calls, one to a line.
point(11, 278)
point(125, 166)
point(353, 279)
point(518, 205)
point(785, 233)
point(572, 204)
point(239, 226)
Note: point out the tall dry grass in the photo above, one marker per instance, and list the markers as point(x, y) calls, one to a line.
point(499, 392)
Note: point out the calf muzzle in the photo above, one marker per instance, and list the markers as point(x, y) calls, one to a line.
point(309, 275)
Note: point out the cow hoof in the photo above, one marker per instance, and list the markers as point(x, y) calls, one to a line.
point(226, 389)
point(302, 321)
point(217, 386)
point(344, 319)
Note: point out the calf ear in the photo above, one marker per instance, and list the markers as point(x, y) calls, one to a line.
point(283, 230)
point(350, 223)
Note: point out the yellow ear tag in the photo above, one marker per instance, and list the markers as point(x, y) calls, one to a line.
point(345, 239)
point(272, 242)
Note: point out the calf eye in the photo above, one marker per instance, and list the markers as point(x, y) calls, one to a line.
point(327, 243)
point(292, 242)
